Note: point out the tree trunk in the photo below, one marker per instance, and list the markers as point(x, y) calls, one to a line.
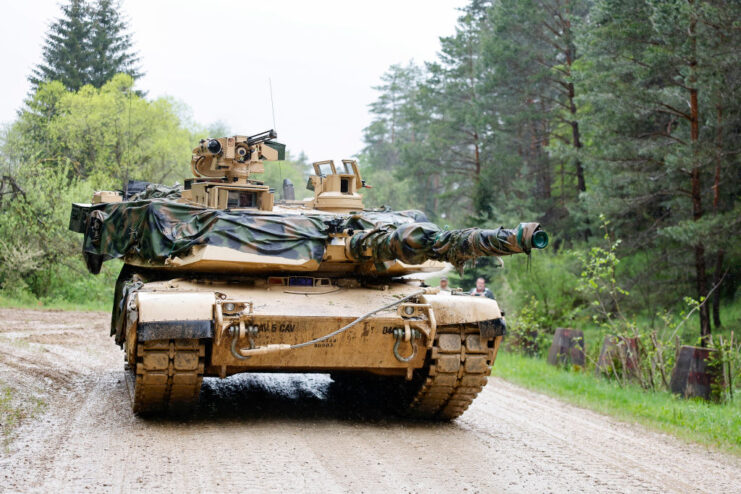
point(716, 283)
point(696, 190)
point(716, 204)
point(476, 156)
point(581, 184)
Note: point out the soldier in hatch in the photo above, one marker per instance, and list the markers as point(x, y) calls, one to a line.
point(481, 290)
point(444, 287)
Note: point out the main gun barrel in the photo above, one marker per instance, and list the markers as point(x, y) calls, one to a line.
point(415, 243)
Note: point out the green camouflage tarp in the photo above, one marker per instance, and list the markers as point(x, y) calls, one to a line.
point(155, 230)
point(371, 219)
point(414, 243)
point(158, 191)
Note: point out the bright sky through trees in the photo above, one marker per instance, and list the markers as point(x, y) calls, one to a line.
point(217, 56)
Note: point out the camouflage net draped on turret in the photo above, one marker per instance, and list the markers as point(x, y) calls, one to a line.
point(155, 230)
point(414, 243)
point(158, 230)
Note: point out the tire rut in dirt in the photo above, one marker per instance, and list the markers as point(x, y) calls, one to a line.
point(169, 374)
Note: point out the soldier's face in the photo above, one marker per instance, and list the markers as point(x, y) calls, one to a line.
point(480, 284)
point(443, 283)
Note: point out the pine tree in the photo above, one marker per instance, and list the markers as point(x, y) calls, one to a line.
point(529, 53)
point(655, 69)
point(395, 127)
point(67, 57)
point(390, 126)
point(87, 45)
point(449, 155)
point(110, 44)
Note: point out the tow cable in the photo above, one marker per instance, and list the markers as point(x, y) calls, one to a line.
point(245, 353)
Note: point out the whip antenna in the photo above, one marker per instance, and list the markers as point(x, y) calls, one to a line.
point(272, 105)
point(128, 150)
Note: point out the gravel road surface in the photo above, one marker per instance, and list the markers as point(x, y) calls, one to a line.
point(274, 433)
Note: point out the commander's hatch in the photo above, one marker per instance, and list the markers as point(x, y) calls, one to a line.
point(336, 186)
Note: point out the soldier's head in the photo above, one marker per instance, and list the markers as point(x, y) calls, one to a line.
point(444, 283)
point(480, 284)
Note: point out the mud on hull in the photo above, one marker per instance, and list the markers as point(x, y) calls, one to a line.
point(434, 350)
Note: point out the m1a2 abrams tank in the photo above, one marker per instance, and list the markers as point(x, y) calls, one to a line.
point(220, 279)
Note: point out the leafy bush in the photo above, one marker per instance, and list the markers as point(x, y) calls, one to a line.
point(548, 278)
point(528, 331)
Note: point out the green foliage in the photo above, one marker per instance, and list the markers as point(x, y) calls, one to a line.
point(725, 364)
point(64, 146)
point(564, 112)
point(548, 285)
point(110, 44)
point(693, 420)
point(66, 57)
point(598, 282)
point(104, 135)
point(295, 170)
point(662, 93)
point(527, 330)
point(87, 45)
point(39, 257)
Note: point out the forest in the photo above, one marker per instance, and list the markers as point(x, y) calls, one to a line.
point(613, 123)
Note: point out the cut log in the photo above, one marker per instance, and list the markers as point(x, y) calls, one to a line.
point(567, 348)
point(692, 377)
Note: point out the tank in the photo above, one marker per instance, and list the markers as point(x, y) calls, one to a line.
point(219, 278)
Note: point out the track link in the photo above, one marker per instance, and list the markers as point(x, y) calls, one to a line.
point(460, 362)
point(169, 374)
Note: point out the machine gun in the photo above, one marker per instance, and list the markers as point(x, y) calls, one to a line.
point(234, 159)
point(223, 169)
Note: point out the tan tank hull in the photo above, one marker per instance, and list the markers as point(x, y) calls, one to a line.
point(183, 330)
point(217, 259)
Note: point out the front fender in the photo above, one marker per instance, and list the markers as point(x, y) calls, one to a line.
point(460, 309)
point(164, 316)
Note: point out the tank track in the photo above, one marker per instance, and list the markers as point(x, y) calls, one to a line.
point(460, 362)
point(168, 374)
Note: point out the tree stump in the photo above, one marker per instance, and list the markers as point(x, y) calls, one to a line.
point(692, 377)
point(567, 348)
point(619, 354)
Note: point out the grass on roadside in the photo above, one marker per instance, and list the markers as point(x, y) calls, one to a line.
point(13, 412)
point(692, 420)
point(34, 303)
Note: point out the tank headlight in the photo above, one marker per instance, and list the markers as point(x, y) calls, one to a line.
point(229, 307)
point(408, 310)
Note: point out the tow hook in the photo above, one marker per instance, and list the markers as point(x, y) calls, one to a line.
point(234, 331)
point(406, 334)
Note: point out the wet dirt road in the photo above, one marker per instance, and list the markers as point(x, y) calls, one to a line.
point(288, 432)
